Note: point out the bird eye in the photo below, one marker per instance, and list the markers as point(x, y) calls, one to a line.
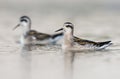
point(68, 26)
point(23, 20)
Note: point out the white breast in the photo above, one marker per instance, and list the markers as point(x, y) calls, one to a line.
point(22, 40)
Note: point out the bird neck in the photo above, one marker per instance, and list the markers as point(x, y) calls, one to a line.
point(26, 28)
point(68, 40)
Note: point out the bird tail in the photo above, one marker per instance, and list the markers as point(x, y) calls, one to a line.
point(103, 45)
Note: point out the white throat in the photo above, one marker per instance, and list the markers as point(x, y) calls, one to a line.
point(26, 27)
point(67, 40)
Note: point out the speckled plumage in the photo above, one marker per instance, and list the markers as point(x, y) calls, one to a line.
point(33, 36)
point(90, 43)
point(70, 40)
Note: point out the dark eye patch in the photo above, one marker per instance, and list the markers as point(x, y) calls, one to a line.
point(69, 26)
point(23, 20)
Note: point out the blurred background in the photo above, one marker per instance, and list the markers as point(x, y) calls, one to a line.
point(96, 20)
point(95, 17)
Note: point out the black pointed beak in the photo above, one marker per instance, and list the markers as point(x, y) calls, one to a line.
point(59, 29)
point(16, 26)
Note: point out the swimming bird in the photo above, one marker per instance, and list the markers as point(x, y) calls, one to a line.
point(34, 37)
point(69, 40)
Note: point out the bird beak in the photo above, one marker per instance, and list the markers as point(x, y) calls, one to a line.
point(16, 26)
point(59, 29)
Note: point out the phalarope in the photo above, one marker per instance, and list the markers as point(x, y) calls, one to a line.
point(70, 40)
point(32, 36)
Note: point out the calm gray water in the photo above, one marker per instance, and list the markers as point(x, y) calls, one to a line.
point(96, 20)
